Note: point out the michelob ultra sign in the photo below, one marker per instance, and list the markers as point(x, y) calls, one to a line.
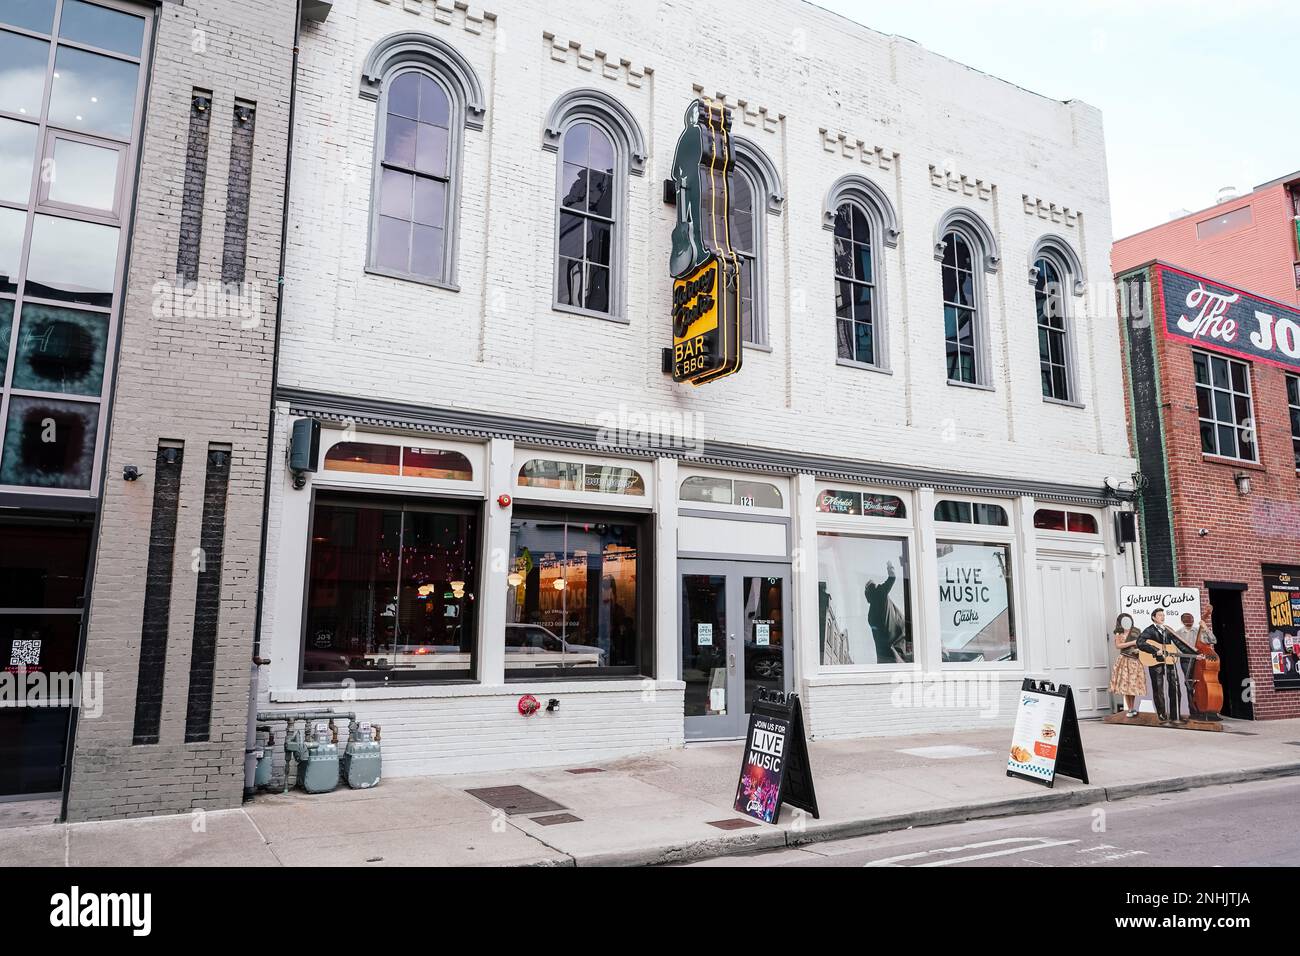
point(705, 267)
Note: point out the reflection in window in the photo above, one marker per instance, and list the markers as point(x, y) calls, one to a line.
point(1053, 357)
point(865, 600)
point(573, 600)
point(84, 175)
point(960, 311)
point(100, 27)
point(49, 444)
point(966, 512)
point(61, 350)
point(6, 328)
point(72, 261)
point(855, 286)
point(586, 225)
point(34, 15)
point(976, 615)
point(415, 178)
point(1072, 522)
point(370, 458)
point(17, 158)
point(12, 222)
point(391, 594)
point(575, 476)
point(93, 93)
point(837, 502)
point(745, 223)
point(42, 562)
point(23, 63)
point(741, 492)
point(1224, 407)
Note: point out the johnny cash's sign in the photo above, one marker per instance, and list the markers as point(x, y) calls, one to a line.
point(1229, 320)
point(705, 267)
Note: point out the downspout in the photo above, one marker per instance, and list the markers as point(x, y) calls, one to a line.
point(250, 737)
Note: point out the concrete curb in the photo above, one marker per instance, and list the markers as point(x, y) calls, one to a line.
point(815, 832)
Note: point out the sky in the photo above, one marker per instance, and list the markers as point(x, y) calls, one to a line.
point(1196, 95)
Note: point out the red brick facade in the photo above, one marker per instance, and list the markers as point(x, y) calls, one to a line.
point(1241, 532)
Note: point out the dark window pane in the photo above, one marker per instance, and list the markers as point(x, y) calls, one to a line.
point(844, 338)
point(430, 202)
point(367, 458)
point(32, 745)
point(1045, 374)
point(843, 257)
point(1082, 524)
point(437, 594)
point(1239, 377)
point(866, 351)
point(72, 261)
point(49, 444)
point(1219, 369)
point(968, 366)
point(23, 63)
point(862, 264)
point(861, 231)
point(100, 27)
point(966, 288)
point(42, 564)
point(962, 253)
point(17, 158)
point(570, 282)
point(393, 239)
point(573, 186)
point(950, 285)
point(1245, 445)
point(1293, 391)
point(6, 328)
point(598, 288)
point(395, 194)
point(1222, 406)
point(953, 511)
point(1207, 437)
point(431, 150)
point(399, 142)
point(844, 300)
point(436, 463)
point(34, 15)
point(1060, 384)
point(843, 220)
point(426, 252)
point(435, 108)
point(93, 93)
point(742, 232)
point(1203, 407)
point(352, 592)
point(1049, 520)
point(954, 361)
point(600, 193)
point(572, 235)
point(60, 350)
point(600, 237)
point(404, 96)
point(1201, 364)
point(862, 303)
point(1228, 441)
point(12, 223)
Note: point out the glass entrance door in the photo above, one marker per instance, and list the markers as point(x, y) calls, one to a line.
point(734, 640)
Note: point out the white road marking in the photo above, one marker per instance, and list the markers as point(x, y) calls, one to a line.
point(1010, 845)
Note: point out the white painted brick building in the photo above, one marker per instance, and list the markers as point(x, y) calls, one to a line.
point(478, 361)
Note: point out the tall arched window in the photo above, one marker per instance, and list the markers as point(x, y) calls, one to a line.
point(1056, 273)
point(967, 250)
point(410, 235)
point(755, 189)
point(960, 313)
point(1053, 346)
point(599, 144)
point(862, 219)
point(426, 94)
point(855, 286)
point(587, 218)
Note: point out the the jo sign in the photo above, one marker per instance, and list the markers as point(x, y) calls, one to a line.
point(1228, 319)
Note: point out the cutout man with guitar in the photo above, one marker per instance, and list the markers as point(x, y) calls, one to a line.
point(1160, 650)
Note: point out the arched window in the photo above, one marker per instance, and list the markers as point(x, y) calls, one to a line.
point(599, 145)
point(855, 286)
point(1056, 274)
point(967, 249)
point(755, 189)
point(862, 218)
point(427, 93)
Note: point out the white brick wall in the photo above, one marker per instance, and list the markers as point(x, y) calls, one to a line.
point(824, 98)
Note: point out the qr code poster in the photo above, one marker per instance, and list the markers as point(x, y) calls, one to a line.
point(25, 655)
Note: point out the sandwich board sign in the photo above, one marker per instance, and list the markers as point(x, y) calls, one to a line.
point(1045, 741)
point(775, 768)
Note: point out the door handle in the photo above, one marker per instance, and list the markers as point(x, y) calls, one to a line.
point(731, 662)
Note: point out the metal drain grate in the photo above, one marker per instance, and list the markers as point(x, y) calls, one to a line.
point(555, 818)
point(515, 800)
point(731, 824)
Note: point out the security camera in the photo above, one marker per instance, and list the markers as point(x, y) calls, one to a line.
point(1118, 484)
point(1203, 533)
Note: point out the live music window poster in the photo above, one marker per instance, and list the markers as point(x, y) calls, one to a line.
point(1282, 601)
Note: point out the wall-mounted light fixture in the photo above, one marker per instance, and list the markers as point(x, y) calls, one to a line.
point(1243, 483)
point(130, 473)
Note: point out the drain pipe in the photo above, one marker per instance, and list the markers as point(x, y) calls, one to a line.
point(258, 661)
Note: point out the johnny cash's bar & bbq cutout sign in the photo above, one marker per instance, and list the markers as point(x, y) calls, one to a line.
point(704, 266)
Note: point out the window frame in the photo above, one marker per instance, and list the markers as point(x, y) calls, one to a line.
point(456, 123)
point(400, 501)
point(978, 309)
point(768, 199)
point(1293, 407)
point(645, 667)
point(874, 286)
point(1065, 331)
point(882, 220)
point(879, 529)
point(617, 223)
point(1237, 427)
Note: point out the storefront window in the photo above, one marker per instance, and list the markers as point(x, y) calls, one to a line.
point(837, 502)
point(573, 608)
point(724, 491)
point(391, 594)
point(976, 608)
point(864, 600)
point(966, 512)
point(576, 476)
point(1074, 522)
point(368, 458)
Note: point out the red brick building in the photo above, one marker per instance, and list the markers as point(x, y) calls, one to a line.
point(1250, 241)
point(1214, 409)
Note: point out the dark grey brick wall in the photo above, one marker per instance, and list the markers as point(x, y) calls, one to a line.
point(237, 189)
point(196, 177)
point(207, 600)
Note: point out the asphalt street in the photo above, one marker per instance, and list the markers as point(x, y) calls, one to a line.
point(1238, 825)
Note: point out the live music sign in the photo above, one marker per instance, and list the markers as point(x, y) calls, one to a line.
point(1227, 319)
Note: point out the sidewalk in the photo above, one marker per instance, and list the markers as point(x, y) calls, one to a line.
point(660, 808)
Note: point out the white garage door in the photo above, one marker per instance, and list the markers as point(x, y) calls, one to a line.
point(1074, 647)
